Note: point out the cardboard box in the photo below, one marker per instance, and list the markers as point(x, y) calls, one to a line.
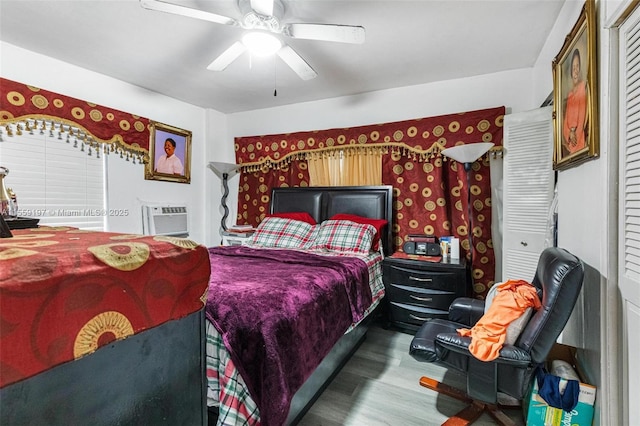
point(539, 413)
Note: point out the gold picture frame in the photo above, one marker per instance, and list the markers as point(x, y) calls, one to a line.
point(169, 154)
point(575, 94)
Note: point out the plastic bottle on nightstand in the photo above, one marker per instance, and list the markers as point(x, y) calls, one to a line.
point(444, 250)
point(454, 245)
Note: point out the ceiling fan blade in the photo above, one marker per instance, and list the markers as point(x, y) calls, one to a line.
point(263, 7)
point(163, 6)
point(327, 32)
point(297, 64)
point(226, 57)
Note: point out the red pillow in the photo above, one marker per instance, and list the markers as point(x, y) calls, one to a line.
point(302, 216)
point(379, 224)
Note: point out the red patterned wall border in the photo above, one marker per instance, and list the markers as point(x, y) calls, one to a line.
point(31, 108)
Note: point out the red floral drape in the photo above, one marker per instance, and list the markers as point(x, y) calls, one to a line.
point(34, 109)
point(430, 192)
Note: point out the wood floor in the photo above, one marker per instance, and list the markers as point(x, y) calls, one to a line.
point(379, 386)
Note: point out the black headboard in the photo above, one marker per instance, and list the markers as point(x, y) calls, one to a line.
point(322, 202)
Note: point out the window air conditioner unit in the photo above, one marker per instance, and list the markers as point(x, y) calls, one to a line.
point(165, 220)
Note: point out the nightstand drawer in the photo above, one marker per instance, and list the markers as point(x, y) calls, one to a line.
point(440, 280)
point(425, 297)
point(414, 315)
point(418, 289)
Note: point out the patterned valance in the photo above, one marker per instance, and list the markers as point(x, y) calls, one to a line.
point(420, 139)
point(25, 108)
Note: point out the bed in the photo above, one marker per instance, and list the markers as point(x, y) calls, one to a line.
point(66, 358)
point(101, 328)
point(268, 358)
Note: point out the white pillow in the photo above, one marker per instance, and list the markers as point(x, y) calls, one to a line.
point(515, 326)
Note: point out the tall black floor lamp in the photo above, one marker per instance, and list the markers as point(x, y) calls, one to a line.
point(467, 154)
point(224, 171)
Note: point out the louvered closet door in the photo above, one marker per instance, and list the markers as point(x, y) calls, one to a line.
point(528, 190)
point(629, 209)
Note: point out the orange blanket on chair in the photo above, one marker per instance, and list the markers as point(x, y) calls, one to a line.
point(488, 334)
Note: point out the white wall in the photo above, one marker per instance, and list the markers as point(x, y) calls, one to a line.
point(510, 88)
point(220, 148)
point(127, 188)
point(576, 186)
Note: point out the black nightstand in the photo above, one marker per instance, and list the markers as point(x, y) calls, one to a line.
point(417, 290)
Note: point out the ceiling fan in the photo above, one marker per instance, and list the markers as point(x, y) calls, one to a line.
point(262, 19)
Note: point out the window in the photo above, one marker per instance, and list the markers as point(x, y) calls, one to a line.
point(55, 179)
point(350, 167)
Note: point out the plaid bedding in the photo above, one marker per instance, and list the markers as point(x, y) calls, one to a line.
point(344, 236)
point(226, 387)
point(276, 232)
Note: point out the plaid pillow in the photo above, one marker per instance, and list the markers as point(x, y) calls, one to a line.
point(283, 233)
point(379, 224)
point(344, 235)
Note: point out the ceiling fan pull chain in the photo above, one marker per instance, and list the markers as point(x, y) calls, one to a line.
point(275, 77)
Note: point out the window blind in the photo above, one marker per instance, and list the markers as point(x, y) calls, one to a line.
point(55, 180)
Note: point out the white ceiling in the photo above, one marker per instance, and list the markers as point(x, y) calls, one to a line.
point(407, 43)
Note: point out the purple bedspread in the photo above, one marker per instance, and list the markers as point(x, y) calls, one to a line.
point(279, 313)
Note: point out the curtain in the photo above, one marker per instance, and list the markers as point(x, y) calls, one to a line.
point(29, 109)
point(431, 198)
point(363, 168)
point(346, 168)
point(430, 192)
point(324, 169)
point(254, 190)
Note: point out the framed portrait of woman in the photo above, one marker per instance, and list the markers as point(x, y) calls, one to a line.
point(575, 104)
point(169, 154)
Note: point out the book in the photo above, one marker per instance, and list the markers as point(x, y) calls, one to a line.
point(240, 232)
point(402, 255)
point(242, 228)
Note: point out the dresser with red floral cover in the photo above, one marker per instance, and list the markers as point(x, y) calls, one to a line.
point(66, 292)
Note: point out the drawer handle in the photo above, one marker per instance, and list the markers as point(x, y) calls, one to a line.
point(422, 299)
point(418, 318)
point(427, 280)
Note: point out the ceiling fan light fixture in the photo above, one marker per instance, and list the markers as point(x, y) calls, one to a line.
point(261, 43)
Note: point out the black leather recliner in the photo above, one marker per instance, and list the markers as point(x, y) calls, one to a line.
point(558, 279)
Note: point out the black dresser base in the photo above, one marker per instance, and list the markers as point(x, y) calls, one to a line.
point(155, 377)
